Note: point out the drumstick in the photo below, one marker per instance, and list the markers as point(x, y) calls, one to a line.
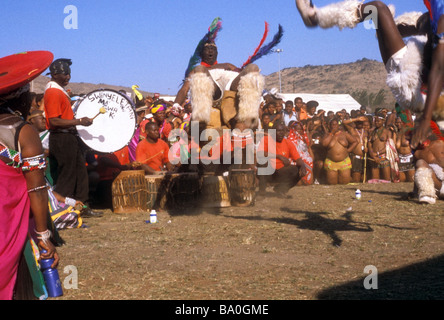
point(102, 110)
point(144, 161)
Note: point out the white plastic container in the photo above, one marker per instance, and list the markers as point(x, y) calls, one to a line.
point(153, 216)
point(358, 194)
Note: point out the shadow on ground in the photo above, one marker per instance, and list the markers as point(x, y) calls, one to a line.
point(317, 221)
point(420, 281)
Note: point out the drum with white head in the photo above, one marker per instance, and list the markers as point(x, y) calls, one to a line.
point(114, 121)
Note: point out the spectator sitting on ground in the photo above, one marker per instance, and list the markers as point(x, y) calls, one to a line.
point(288, 165)
point(152, 152)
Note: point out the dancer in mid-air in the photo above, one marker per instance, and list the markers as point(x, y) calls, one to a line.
point(208, 81)
point(415, 69)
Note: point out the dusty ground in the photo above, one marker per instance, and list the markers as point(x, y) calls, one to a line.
point(313, 246)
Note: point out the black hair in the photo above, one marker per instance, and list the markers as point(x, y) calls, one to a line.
point(22, 104)
point(139, 103)
point(150, 122)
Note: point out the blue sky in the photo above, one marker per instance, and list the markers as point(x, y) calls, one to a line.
point(149, 42)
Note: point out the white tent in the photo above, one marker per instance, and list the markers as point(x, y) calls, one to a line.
point(327, 102)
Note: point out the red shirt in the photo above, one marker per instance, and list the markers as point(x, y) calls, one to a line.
point(303, 115)
point(142, 128)
point(165, 130)
point(285, 148)
point(155, 155)
point(57, 105)
point(123, 155)
point(108, 173)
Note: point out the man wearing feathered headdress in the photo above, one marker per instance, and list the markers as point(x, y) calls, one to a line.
point(209, 82)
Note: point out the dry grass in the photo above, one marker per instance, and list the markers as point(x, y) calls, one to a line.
point(314, 246)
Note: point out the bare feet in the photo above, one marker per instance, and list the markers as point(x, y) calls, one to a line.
point(307, 11)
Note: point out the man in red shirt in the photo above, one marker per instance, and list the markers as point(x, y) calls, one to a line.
point(69, 172)
point(152, 153)
point(288, 164)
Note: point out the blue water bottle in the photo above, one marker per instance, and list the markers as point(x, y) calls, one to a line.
point(51, 276)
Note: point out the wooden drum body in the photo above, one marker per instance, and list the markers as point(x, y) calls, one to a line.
point(214, 192)
point(242, 186)
point(154, 184)
point(129, 192)
point(183, 190)
point(172, 190)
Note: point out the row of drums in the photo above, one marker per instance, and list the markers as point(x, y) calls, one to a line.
point(133, 191)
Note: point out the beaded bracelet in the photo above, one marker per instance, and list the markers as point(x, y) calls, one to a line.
point(37, 188)
point(44, 236)
point(34, 163)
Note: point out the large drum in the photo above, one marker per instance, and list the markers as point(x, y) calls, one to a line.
point(183, 190)
point(114, 121)
point(176, 191)
point(242, 186)
point(154, 188)
point(214, 192)
point(129, 191)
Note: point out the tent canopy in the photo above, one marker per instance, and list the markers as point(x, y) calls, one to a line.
point(327, 102)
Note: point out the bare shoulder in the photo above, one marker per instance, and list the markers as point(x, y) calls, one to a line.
point(30, 142)
point(434, 153)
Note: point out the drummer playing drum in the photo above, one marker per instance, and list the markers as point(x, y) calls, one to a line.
point(72, 177)
point(152, 153)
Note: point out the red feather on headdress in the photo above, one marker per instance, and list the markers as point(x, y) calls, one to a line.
point(264, 37)
point(267, 48)
point(436, 130)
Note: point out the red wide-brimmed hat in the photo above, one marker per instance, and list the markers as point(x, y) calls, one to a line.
point(19, 69)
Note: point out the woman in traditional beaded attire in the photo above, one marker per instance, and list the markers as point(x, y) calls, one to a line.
point(23, 190)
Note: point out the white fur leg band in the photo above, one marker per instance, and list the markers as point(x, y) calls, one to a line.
point(426, 187)
point(404, 74)
point(70, 202)
point(250, 92)
point(202, 90)
point(341, 14)
point(408, 18)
